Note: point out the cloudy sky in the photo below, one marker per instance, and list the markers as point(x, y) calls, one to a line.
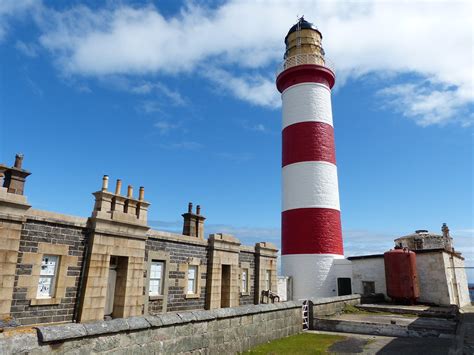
point(180, 97)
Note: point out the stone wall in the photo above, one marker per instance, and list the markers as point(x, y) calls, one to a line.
point(321, 307)
point(221, 331)
point(38, 234)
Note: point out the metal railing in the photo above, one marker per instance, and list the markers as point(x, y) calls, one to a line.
point(305, 58)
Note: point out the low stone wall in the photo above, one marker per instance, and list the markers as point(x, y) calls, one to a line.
point(331, 305)
point(221, 331)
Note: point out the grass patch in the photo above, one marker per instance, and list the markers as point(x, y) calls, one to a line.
point(304, 343)
point(350, 309)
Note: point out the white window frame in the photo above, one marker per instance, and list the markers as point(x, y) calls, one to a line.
point(193, 289)
point(48, 276)
point(245, 280)
point(154, 277)
point(268, 279)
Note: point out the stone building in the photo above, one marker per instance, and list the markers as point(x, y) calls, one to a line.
point(59, 268)
point(424, 240)
point(440, 270)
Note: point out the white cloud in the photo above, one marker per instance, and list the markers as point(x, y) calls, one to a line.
point(28, 49)
point(428, 40)
point(10, 9)
point(165, 127)
point(427, 105)
point(257, 89)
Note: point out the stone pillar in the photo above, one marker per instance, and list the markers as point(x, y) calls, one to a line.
point(115, 232)
point(223, 250)
point(266, 255)
point(193, 224)
point(13, 207)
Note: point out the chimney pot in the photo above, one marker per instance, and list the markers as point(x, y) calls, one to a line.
point(141, 194)
point(130, 191)
point(18, 161)
point(198, 209)
point(105, 182)
point(118, 187)
point(190, 207)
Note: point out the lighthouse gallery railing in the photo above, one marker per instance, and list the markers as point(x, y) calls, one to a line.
point(305, 58)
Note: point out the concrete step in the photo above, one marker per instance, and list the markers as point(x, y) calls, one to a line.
point(419, 310)
point(388, 325)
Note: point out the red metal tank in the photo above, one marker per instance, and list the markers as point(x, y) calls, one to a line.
point(401, 276)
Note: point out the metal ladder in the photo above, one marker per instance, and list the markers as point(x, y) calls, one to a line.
point(305, 314)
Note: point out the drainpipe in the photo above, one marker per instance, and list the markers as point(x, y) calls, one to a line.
point(79, 293)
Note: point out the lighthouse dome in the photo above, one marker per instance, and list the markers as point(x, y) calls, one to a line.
point(302, 24)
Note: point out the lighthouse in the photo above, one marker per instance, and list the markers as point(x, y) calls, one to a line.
point(310, 218)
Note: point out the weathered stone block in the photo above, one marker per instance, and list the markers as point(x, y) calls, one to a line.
point(104, 327)
point(60, 332)
point(135, 323)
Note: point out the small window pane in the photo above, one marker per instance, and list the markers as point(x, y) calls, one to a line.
point(46, 283)
point(192, 285)
point(48, 265)
point(244, 280)
point(156, 278)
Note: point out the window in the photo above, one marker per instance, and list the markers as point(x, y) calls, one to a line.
point(156, 278)
point(245, 276)
point(47, 280)
point(192, 279)
point(368, 287)
point(268, 278)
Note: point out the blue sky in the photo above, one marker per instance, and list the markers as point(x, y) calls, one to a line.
point(180, 98)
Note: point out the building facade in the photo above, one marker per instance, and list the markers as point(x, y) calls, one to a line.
point(441, 271)
point(59, 268)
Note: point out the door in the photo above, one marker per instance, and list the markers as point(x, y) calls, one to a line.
point(225, 286)
point(109, 301)
point(344, 286)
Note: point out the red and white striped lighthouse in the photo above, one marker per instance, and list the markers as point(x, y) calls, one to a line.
point(310, 219)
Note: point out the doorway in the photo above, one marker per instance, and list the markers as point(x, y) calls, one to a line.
point(225, 286)
point(116, 287)
point(344, 286)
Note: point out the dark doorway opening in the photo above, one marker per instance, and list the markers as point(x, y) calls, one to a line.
point(225, 286)
point(344, 286)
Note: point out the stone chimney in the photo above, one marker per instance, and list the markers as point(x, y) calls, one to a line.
point(14, 178)
point(445, 230)
point(193, 224)
point(116, 207)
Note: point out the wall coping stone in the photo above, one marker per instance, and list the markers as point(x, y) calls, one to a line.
point(51, 333)
point(104, 327)
point(170, 319)
point(135, 323)
point(54, 217)
point(62, 332)
point(316, 301)
point(154, 321)
point(174, 237)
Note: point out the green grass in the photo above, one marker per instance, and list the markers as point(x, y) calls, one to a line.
point(304, 343)
point(350, 309)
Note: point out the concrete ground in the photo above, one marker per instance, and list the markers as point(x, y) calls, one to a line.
point(374, 344)
point(466, 331)
point(420, 322)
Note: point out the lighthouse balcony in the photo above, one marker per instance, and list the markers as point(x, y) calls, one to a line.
point(305, 58)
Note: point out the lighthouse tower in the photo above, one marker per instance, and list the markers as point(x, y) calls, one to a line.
point(310, 219)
